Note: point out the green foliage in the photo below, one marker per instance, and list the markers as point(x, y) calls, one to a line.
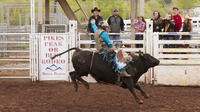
point(185, 4)
point(14, 13)
point(168, 1)
point(156, 5)
point(165, 6)
point(107, 6)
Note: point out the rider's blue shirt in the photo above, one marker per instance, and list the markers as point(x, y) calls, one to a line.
point(104, 36)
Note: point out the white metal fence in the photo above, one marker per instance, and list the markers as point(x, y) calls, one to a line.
point(24, 55)
point(124, 42)
point(21, 52)
point(16, 54)
point(179, 60)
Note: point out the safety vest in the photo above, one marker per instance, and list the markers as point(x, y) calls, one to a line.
point(99, 41)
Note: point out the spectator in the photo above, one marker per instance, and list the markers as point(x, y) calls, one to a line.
point(98, 19)
point(177, 19)
point(187, 27)
point(169, 27)
point(139, 27)
point(116, 24)
point(157, 22)
point(168, 23)
point(178, 23)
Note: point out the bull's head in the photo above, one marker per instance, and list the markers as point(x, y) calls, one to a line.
point(141, 63)
point(149, 60)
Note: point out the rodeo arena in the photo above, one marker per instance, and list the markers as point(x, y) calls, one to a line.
point(51, 61)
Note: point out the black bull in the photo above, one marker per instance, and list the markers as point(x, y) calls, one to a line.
point(103, 72)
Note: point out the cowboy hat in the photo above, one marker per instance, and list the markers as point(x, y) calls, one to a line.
point(95, 9)
point(188, 17)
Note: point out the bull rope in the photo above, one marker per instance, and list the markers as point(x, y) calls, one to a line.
point(92, 60)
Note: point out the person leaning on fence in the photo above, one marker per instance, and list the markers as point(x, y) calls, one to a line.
point(139, 27)
point(106, 48)
point(168, 27)
point(157, 22)
point(187, 27)
point(97, 18)
point(116, 24)
point(168, 24)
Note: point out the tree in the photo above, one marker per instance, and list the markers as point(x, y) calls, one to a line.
point(107, 6)
point(168, 1)
point(156, 5)
point(185, 4)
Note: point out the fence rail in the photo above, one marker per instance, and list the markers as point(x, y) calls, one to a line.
point(179, 59)
point(175, 57)
point(17, 49)
point(84, 39)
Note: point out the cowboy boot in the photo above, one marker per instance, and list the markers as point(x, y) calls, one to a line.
point(123, 73)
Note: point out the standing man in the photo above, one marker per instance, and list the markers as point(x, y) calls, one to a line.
point(116, 24)
point(97, 19)
point(178, 21)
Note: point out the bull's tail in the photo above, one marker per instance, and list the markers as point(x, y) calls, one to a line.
point(74, 48)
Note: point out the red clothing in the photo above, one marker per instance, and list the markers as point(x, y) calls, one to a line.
point(178, 22)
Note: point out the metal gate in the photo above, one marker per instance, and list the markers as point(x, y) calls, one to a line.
point(21, 54)
point(18, 55)
point(180, 60)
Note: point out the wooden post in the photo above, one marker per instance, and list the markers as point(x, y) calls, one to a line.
point(67, 10)
point(40, 16)
point(55, 2)
point(133, 11)
point(142, 7)
point(46, 11)
point(86, 16)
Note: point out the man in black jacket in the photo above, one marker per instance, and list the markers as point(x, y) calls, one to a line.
point(116, 24)
point(98, 19)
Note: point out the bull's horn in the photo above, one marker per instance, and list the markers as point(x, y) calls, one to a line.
point(140, 53)
point(133, 53)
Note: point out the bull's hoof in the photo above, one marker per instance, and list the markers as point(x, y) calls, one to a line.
point(140, 101)
point(76, 89)
point(87, 86)
point(146, 96)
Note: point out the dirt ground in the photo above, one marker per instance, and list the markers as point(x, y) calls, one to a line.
point(25, 96)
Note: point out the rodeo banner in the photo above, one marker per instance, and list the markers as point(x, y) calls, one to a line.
point(51, 45)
